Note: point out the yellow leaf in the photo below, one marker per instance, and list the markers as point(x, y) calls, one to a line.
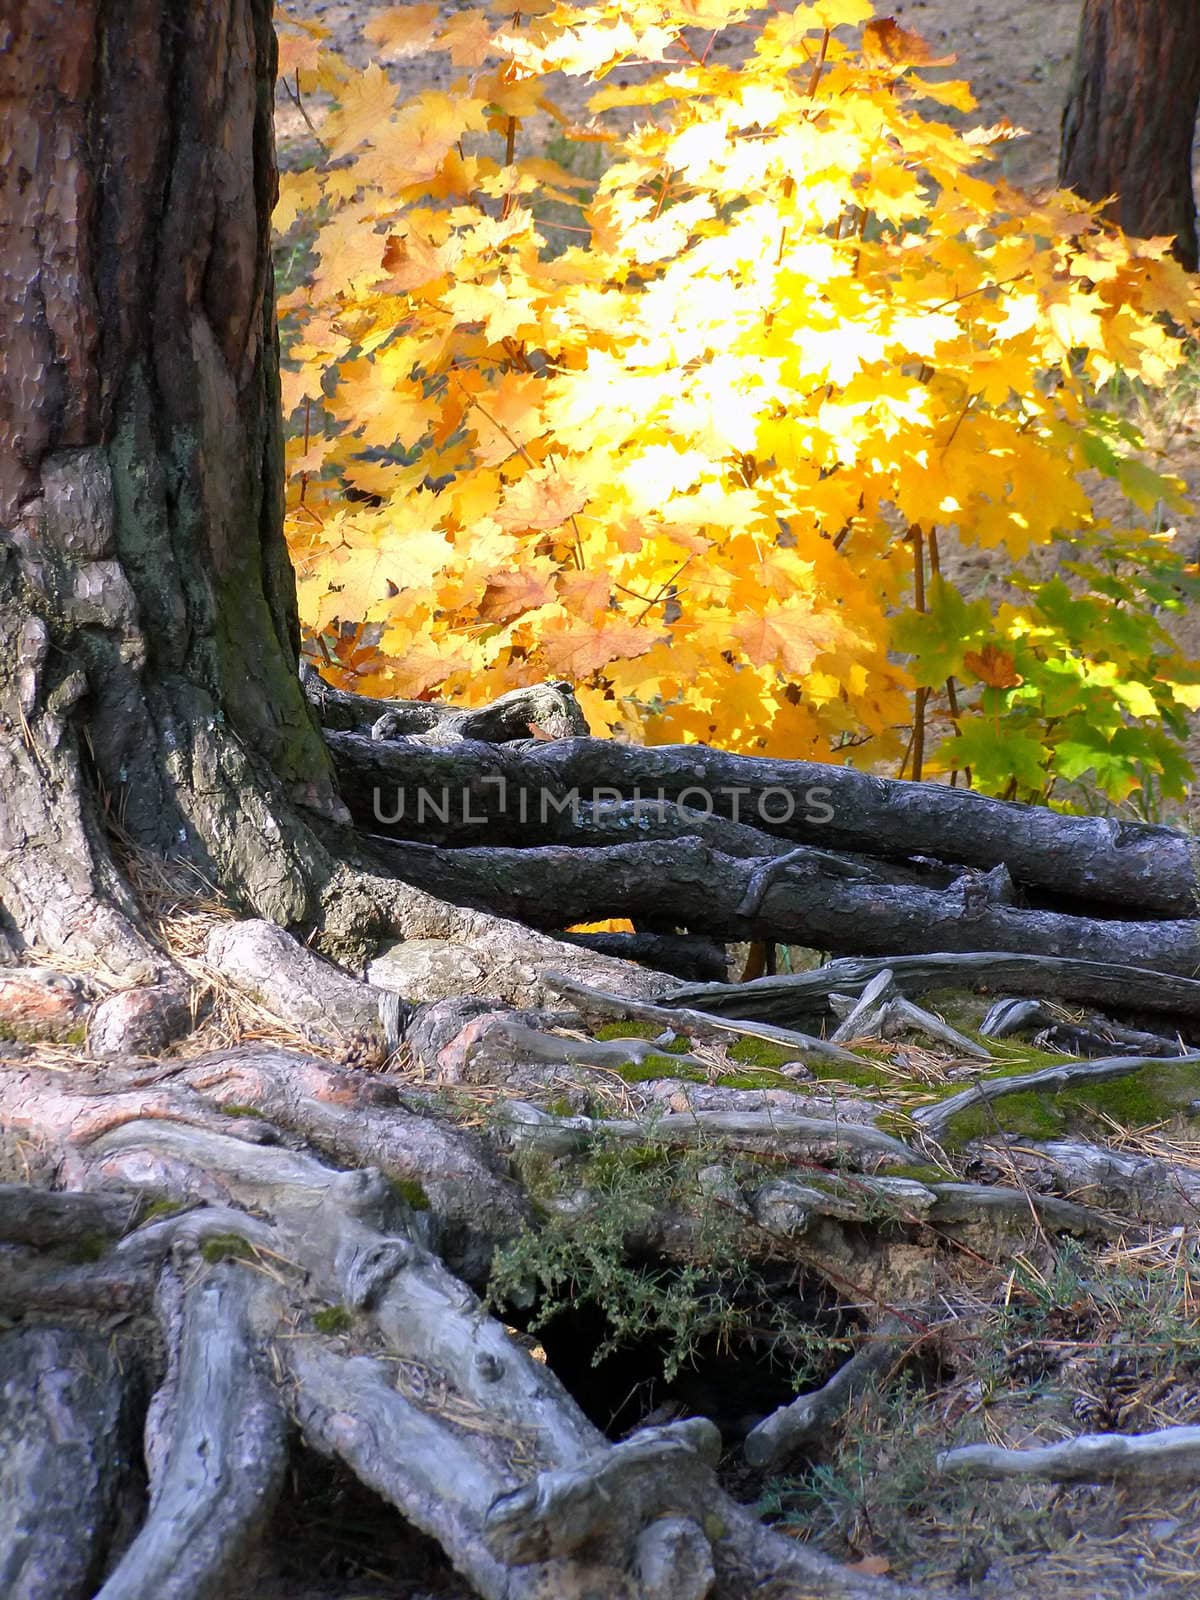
point(403, 30)
point(298, 191)
point(468, 37)
point(367, 102)
point(543, 498)
point(791, 637)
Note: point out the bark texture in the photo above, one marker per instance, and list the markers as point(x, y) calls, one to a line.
point(145, 588)
point(1130, 116)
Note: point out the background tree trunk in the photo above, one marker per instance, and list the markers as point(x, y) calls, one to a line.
point(1130, 116)
point(144, 576)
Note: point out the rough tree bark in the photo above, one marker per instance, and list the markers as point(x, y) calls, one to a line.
point(1130, 116)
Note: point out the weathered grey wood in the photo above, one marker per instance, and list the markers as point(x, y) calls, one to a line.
point(755, 1130)
point(792, 996)
point(64, 1438)
point(808, 1418)
point(830, 808)
point(696, 1023)
point(45, 1217)
point(1168, 1455)
point(295, 985)
point(225, 1458)
point(1151, 1189)
point(684, 883)
point(550, 706)
point(441, 1480)
point(659, 1472)
point(975, 1202)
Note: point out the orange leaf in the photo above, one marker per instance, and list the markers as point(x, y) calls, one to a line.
point(577, 652)
point(993, 666)
point(873, 1566)
point(509, 594)
point(886, 44)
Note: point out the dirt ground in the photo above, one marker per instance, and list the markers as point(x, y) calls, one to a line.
point(1016, 56)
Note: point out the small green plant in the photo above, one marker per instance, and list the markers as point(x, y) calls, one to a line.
point(580, 1253)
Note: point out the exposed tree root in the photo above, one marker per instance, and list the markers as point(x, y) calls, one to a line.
point(793, 1427)
point(683, 882)
point(789, 998)
point(480, 1445)
point(223, 1449)
point(935, 1119)
point(831, 808)
point(65, 1432)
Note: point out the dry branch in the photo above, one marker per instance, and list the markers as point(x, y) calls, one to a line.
point(1169, 1455)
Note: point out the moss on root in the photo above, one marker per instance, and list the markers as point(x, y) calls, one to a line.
point(1157, 1092)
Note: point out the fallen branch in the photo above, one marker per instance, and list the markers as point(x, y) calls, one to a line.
point(1169, 1455)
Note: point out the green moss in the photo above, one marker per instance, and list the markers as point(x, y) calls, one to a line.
point(235, 1110)
point(863, 1076)
point(45, 1033)
point(917, 1172)
point(1153, 1094)
point(88, 1247)
point(162, 1208)
point(226, 1247)
point(1161, 1089)
point(332, 1319)
point(655, 1065)
point(1034, 1115)
point(410, 1191)
point(755, 1080)
point(762, 1053)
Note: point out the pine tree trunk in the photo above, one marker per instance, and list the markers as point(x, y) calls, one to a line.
point(1130, 117)
point(150, 639)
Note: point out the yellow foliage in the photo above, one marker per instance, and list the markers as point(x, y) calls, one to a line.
point(692, 457)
